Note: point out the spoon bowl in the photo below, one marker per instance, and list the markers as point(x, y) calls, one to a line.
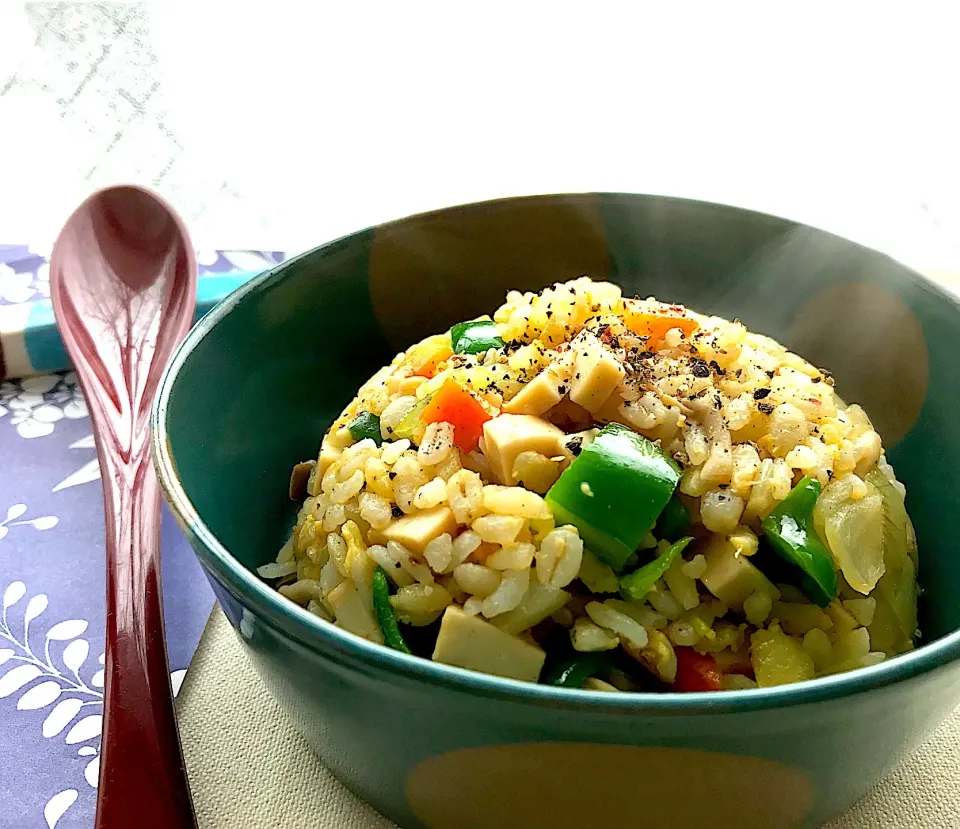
point(123, 280)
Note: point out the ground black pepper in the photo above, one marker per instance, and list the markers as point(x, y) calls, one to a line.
point(759, 394)
point(699, 367)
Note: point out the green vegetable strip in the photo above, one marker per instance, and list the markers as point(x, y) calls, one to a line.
point(386, 618)
point(475, 337)
point(573, 672)
point(790, 530)
point(365, 425)
point(673, 521)
point(407, 428)
point(636, 585)
point(614, 491)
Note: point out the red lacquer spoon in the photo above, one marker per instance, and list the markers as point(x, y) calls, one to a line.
point(123, 280)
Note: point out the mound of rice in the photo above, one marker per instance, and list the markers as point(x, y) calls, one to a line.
point(482, 575)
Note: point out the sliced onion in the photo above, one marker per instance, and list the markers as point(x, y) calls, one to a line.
point(895, 620)
point(853, 530)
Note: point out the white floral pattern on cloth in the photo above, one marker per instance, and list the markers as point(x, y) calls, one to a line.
point(52, 680)
point(35, 405)
point(17, 511)
point(90, 471)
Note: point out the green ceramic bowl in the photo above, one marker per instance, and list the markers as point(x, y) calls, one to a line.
point(259, 379)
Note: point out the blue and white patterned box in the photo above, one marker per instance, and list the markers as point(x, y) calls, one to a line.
point(29, 341)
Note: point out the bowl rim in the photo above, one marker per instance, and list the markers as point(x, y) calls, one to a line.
point(309, 630)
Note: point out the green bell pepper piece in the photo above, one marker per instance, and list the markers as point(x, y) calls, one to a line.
point(386, 618)
point(790, 530)
point(635, 586)
point(365, 425)
point(574, 671)
point(474, 337)
point(614, 491)
point(673, 521)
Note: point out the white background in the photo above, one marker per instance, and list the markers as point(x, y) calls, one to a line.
point(326, 117)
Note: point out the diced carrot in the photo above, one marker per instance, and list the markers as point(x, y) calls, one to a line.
point(429, 368)
point(647, 318)
point(455, 405)
point(697, 671)
point(424, 357)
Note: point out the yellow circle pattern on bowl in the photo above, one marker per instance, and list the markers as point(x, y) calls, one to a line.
point(567, 785)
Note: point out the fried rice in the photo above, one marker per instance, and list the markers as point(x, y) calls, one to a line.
point(611, 493)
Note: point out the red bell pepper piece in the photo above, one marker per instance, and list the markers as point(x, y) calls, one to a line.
point(697, 671)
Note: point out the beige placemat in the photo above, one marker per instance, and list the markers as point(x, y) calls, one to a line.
point(249, 768)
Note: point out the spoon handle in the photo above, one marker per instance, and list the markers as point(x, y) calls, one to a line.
point(143, 781)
